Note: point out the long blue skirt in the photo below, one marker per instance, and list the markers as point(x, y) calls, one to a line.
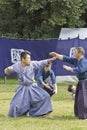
point(80, 106)
point(33, 100)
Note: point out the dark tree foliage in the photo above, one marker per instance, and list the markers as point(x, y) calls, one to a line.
point(40, 19)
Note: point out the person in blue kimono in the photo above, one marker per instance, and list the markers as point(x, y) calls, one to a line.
point(47, 79)
point(29, 97)
point(80, 70)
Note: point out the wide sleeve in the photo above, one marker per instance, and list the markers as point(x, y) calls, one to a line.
point(39, 75)
point(81, 68)
point(53, 77)
point(15, 67)
point(70, 60)
point(38, 64)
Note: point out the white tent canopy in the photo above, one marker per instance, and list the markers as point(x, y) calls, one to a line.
point(66, 33)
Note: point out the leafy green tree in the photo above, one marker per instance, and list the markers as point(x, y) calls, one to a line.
point(40, 19)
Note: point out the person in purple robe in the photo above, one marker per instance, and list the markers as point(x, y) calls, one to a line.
point(29, 97)
point(47, 79)
point(80, 70)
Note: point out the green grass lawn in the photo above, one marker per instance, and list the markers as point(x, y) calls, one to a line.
point(62, 116)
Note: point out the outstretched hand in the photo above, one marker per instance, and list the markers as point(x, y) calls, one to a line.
point(54, 54)
point(68, 68)
point(51, 59)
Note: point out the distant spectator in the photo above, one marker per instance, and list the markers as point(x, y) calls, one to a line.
point(72, 89)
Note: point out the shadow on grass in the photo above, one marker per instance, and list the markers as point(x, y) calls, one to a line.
point(2, 116)
point(6, 99)
point(64, 117)
point(61, 118)
point(55, 117)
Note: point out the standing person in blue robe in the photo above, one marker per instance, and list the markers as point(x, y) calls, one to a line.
point(29, 97)
point(80, 70)
point(47, 79)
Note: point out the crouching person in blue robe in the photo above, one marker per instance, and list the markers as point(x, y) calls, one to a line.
point(47, 79)
point(29, 97)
